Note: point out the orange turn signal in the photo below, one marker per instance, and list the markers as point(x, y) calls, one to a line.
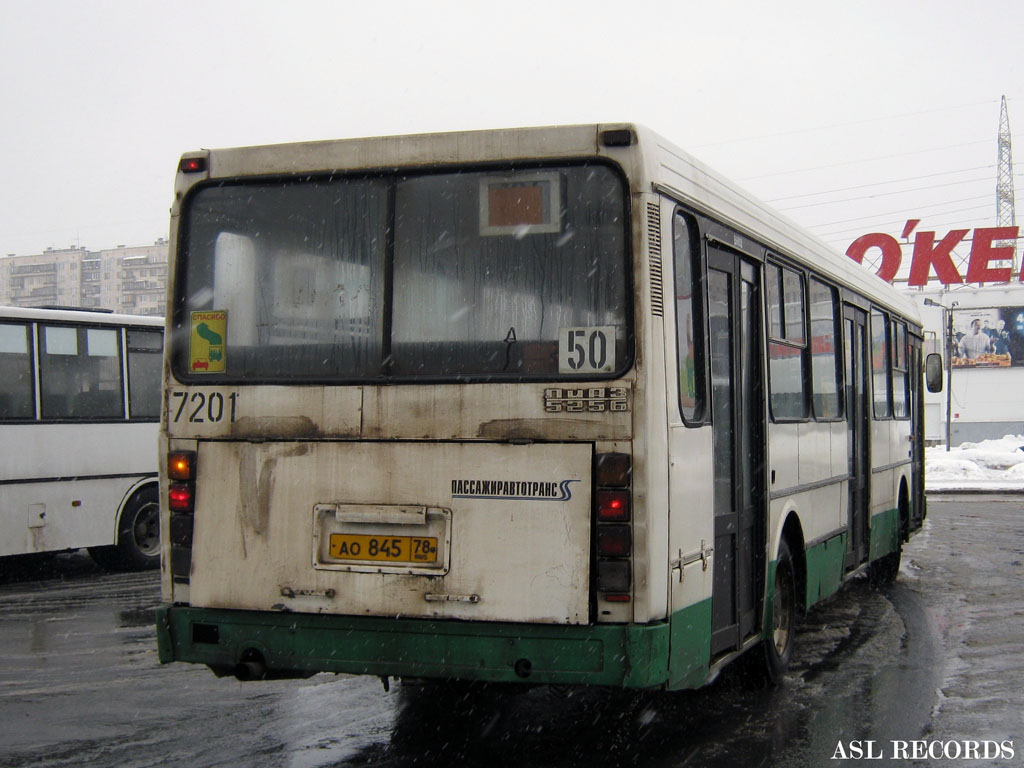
point(181, 465)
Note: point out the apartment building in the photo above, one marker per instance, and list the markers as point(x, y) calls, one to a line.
point(129, 279)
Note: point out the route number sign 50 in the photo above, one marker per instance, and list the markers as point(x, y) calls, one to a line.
point(586, 350)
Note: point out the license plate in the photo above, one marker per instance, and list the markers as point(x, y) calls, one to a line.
point(389, 549)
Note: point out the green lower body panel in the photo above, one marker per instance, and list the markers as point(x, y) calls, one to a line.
point(293, 644)
point(691, 646)
point(825, 568)
point(885, 533)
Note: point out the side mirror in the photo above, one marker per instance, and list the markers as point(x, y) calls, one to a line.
point(933, 372)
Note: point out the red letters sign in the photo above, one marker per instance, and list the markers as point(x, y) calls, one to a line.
point(930, 255)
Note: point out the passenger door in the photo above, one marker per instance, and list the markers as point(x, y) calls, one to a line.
point(917, 434)
point(857, 442)
point(737, 402)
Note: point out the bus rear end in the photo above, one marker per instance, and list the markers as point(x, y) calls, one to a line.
point(401, 377)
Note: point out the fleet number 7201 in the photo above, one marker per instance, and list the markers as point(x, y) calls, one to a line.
point(203, 407)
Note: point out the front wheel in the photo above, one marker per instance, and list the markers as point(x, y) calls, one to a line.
point(778, 644)
point(138, 535)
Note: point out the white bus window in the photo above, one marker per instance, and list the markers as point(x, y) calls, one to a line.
point(16, 381)
point(101, 342)
point(145, 360)
point(474, 299)
point(773, 298)
point(899, 370)
point(80, 374)
point(61, 341)
point(298, 268)
point(436, 275)
point(787, 343)
point(793, 298)
point(824, 361)
point(689, 327)
point(880, 364)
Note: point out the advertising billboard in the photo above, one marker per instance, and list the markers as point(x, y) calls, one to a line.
point(991, 337)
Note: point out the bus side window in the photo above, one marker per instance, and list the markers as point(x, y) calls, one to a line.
point(824, 360)
point(689, 326)
point(787, 343)
point(899, 370)
point(880, 379)
point(80, 373)
point(16, 385)
point(145, 366)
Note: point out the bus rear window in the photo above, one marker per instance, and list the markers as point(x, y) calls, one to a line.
point(464, 275)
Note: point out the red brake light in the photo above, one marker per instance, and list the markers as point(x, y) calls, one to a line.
point(180, 498)
point(614, 541)
point(192, 164)
point(613, 506)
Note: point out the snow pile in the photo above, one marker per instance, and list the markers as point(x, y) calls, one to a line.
point(988, 465)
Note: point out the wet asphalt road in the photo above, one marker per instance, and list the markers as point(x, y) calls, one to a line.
point(935, 656)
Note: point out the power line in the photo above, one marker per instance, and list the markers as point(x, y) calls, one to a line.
point(843, 125)
point(881, 194)
point(915, 209)
point(896, 219)
point(861, 162)
point(882, 183)
point(897, 222)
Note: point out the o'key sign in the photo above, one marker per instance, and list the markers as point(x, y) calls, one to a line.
point(206, 353)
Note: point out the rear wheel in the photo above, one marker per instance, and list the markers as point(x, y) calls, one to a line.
point(778, 645)
point(138, 535)
point(885, 569)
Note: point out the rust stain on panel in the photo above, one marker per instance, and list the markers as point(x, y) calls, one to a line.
point(256, 484)
point(549, 429)
point(275, 428)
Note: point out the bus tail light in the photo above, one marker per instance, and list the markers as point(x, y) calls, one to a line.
point(613, 470)
point(181, 501)
point(613, 576)
point(181, 465)
point(614, 541)
point(617, 598)
point(613, 506)
point(180, 497)
point(613, 534)
point(192, 165)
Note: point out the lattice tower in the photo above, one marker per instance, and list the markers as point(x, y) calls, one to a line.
point(1005, 213)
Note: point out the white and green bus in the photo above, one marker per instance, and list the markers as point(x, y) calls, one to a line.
point(551, 405)
point(79, 406)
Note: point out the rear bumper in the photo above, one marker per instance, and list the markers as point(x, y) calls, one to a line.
point(294, 644)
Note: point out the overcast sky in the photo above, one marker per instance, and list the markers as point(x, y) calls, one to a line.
point(849, 116)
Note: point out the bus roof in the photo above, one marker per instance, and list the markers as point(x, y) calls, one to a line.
point(72, 315)
point(683, 176)
point(652, 164)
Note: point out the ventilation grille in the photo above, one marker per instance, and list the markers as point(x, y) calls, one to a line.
point(654, 249)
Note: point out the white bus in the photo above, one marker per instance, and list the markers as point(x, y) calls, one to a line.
point(553, 405)
point(79, 406)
